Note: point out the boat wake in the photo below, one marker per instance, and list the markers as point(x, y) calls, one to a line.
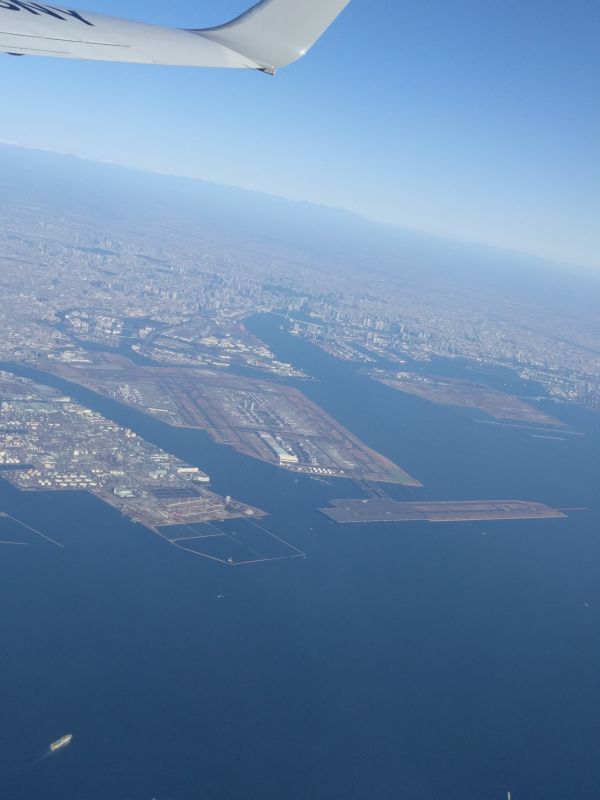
point(15, 769)
point(53, 749)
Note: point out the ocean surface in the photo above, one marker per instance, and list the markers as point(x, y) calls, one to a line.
point(417, 661)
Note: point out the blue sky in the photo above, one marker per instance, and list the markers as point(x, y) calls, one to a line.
point(475, 119)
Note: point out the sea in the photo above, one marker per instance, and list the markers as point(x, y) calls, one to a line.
point(399, 661)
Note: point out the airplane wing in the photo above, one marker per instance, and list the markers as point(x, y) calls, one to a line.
point(271, 34)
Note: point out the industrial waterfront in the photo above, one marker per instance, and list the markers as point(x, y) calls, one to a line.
point(253, 673)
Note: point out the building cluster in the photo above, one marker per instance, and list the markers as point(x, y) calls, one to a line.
point(175, 298)
point(48, 442)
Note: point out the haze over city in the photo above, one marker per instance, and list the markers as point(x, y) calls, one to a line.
point(300, 402)
point(478, 121)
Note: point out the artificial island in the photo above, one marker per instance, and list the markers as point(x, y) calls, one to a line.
point(384, 509)
point(259, 418)
point(51, 443)
point(467, 394)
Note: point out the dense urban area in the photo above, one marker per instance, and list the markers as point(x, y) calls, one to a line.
point(177, 296)
point(51, 443)
point(153, 313)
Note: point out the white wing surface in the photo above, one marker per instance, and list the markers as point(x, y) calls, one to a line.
point(270, 35)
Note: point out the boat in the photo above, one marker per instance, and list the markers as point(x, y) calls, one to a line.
point(60, 743)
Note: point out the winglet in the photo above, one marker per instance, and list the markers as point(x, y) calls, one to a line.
point(274, 33)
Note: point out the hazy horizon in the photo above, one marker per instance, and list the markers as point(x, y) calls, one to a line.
point(300, 404)
point(473, 122)
point(484, 248)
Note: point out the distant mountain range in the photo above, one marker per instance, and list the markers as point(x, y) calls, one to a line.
point(337, 239)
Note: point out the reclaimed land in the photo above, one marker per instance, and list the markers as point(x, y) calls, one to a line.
point(467, 394)
point(387, 510)
point(259, 418)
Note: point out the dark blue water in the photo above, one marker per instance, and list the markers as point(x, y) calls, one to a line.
point(413, 662)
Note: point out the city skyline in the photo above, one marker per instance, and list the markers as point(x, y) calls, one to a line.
point(472, 123)
point(479, 246)
point(162, 248)
point(293, 484)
